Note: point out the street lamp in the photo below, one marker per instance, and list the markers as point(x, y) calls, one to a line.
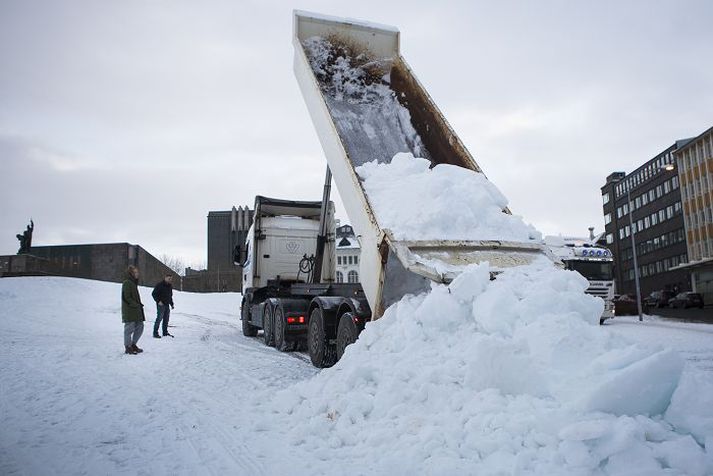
point(668, 167)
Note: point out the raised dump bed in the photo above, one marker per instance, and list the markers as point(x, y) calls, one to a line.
point(367, 105)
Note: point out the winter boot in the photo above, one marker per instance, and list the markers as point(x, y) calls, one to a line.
point(166, 334)
point(156, 336)
point(136, 349)
point(130, 350)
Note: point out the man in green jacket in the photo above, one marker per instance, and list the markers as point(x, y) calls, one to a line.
point(132, 311)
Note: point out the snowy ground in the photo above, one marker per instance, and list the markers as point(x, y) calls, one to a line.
point(73, 403)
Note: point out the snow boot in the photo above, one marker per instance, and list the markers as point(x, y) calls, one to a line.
point(167, 335)
point(136, 349)
point(130, 350)
point(156, 336)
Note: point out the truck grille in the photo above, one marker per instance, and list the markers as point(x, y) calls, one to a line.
point(599, 291)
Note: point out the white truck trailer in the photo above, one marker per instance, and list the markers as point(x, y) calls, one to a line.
point(355, 126)
point(594, 262)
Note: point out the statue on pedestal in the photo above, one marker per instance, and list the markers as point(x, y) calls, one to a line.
point(26, 239)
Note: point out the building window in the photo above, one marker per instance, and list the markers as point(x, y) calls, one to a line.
point(350, 260)
point(674, 183)
point(637, 202)
point(652, 195)
point(607, 218)
point(339, 260)
point(356, 259)
point(610, 238)
point(340, 277)
point(605, 198)
point(353, 277)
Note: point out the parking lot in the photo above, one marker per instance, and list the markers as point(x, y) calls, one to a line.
point(690, 314)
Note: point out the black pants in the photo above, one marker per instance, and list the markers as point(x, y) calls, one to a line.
point(162, 314)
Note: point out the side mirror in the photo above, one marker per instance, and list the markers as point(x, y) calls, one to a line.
point(240, 254)
point(243, 255)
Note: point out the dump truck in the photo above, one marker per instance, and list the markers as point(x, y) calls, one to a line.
point(366, 105)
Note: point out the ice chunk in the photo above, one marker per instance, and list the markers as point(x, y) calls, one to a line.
point(691, 407)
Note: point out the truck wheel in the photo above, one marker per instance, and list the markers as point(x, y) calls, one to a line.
point(267, 327)
point(321, 352)
point(346, 334)
point(248, 329)
point(281, 343)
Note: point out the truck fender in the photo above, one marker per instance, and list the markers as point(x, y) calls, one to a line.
point(359, 309)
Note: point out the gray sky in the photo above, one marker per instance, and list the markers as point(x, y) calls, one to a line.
point(129, 120)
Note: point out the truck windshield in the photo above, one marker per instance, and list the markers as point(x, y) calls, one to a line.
point(593, 270)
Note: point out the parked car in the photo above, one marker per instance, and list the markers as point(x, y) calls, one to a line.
point(658, 298)
point(687, 299)
point(625, 305)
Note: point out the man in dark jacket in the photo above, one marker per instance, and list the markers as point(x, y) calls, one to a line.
point(163, 295)
point(132, 311)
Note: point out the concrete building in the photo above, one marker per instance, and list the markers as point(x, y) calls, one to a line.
point(226, 230)
point(652, 195)
point(347, 251)
point(103, 262)
point(695, 172)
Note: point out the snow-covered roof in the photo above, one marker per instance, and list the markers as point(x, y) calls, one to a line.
point(348, 243)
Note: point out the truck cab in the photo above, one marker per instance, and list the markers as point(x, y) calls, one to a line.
point(283, 242)
point(593, 262)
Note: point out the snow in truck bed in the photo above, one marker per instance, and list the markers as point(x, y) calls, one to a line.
point(479, 377)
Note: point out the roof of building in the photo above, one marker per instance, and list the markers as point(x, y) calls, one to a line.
point(348, 243)
point(688, 142)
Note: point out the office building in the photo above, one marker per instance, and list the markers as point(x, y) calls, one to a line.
point(695, 172)
point(226, 231)
point(652, 195)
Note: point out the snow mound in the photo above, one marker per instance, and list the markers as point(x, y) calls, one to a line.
point(417, 202)
point(511, 376)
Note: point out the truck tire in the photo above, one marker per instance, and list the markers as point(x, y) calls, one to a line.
point(281, 342)
point(347, 333)
point(321, 352)
point(268, 326)
point(248, 329)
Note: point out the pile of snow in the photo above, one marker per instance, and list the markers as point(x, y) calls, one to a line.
point(417, 202)
point(511, 376)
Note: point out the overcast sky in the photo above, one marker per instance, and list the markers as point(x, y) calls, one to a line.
point(130, 120)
